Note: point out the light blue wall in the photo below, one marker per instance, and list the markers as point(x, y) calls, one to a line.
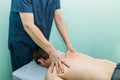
point(93, 26)
point(5, 66)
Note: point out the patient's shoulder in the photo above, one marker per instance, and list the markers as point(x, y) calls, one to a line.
point(52, 75)
point(49, 74)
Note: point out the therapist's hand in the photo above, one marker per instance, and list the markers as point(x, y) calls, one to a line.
point(70, 49)
point(57, 62)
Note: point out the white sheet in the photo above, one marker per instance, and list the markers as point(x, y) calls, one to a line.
point(31, 71)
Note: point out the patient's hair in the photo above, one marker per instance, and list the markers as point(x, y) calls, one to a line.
point(40, 53)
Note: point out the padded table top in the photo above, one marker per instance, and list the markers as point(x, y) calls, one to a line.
point(30, 71)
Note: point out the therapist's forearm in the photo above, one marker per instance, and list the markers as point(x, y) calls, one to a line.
point(39, 38)
point(35, 33)
point(61, 26)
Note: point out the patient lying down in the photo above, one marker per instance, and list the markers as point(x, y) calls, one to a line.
point(82, 67)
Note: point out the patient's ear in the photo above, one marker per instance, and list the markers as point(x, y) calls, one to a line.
point(41, 60)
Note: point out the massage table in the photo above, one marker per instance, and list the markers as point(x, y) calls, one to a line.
point(30, 71)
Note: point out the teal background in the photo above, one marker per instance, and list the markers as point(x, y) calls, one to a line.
point(93, 27)
point(5, 65)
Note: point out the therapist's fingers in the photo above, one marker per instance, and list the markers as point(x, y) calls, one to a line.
point(57, 67)
point(65, 63)
point(52, 67)
point(61, 67)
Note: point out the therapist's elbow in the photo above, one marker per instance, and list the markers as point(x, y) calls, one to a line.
point(28, 26)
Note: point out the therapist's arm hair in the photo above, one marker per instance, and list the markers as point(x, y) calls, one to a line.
point(61, 26)
point(35, 33)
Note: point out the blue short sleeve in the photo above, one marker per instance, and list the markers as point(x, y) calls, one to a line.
point(25, 6)
point(21, 6)
point(58, 4)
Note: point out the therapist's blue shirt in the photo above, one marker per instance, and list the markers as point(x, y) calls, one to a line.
point(43, 11)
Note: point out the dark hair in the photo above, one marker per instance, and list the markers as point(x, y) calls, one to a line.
point(40, 53)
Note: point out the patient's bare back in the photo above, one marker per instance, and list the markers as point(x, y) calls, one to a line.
point(83, 67)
